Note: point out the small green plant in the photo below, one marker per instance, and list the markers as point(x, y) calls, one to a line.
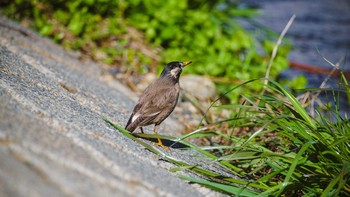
point(94, 27)
point(298, 82)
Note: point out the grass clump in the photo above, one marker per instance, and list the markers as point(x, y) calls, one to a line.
point(286, 149)
point(271, 146)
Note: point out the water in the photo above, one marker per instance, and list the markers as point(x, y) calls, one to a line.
point(322, 25)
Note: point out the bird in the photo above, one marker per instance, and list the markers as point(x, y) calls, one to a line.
point(158, 100)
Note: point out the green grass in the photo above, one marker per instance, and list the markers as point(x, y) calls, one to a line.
point(284, 151)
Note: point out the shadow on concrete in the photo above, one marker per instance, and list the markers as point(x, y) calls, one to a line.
point(167, 142)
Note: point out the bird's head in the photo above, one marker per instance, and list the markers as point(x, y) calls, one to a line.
point(173, 70)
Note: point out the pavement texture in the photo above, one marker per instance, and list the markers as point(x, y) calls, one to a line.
point(53, 141)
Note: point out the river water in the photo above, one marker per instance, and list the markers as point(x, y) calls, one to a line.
point(319, 24)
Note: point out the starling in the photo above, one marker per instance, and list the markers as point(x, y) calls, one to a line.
point(158, 100)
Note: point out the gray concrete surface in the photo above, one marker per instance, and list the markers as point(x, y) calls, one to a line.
point(53, 141)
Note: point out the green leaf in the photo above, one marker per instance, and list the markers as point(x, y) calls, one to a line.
point(297, 106)
point(238, 191)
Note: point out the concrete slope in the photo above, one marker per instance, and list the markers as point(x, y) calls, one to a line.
point(53, 141)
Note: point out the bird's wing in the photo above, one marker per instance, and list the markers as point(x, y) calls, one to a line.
point(130, 126)
point(154, 100)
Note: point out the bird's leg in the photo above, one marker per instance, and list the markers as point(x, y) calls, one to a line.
point(159, 143)
point(141, 130)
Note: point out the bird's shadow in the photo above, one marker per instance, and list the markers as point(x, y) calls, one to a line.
point(166, 142)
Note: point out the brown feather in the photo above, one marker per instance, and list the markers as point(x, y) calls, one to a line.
point(159, 98)
point(155, 104)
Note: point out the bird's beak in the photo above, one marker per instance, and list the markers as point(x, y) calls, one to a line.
point(185, 63)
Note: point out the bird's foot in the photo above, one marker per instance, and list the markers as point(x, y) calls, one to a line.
point(159, 143)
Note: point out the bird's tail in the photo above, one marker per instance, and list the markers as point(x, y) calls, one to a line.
point(130, 126)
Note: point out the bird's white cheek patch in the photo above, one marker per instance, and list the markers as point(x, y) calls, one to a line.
point(174, 72)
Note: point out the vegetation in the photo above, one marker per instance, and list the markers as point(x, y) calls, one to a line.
point(273, 147)
point(139, 35)
point(268, 146)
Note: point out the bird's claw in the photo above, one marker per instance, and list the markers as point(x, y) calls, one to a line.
point(159, 143)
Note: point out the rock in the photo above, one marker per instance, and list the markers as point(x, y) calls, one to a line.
point(198, 86)
point(53, 141)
